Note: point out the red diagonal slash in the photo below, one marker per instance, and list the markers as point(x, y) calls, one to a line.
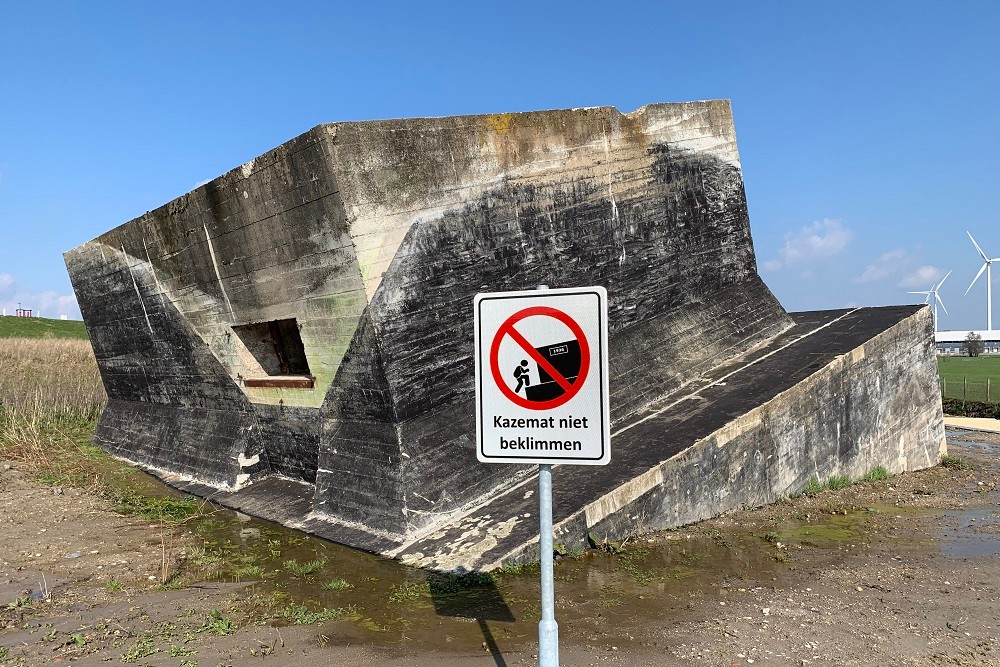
point(542, 362)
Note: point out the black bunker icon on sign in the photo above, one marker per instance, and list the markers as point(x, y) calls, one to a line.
point(566, 360)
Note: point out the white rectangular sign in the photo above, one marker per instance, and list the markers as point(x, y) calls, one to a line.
point(542, 376)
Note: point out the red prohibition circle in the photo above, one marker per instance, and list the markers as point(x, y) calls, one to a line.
point(504, 331)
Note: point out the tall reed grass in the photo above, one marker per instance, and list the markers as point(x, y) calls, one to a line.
point(50, 398)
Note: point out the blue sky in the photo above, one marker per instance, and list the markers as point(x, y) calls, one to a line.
point(867, 131)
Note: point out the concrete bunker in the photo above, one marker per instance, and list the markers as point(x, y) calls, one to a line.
point(294, 337)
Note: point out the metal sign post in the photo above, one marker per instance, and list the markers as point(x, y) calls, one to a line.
point(542, 397)
point(548, 629)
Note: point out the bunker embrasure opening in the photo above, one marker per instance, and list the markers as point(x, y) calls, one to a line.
point(275, 355)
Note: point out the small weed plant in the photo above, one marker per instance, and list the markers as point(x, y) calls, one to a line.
point(408, 591)
point(813, 487)
point(955, 463)
point(217, 624)
point(336, 585)
point(876, 474)
point(510, 569)
point(304, 569)
point(143, 648)
point(838, 482)
point(301, 615)
point(249, 572)
point(18, 602)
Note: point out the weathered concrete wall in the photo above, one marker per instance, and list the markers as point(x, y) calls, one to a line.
point(374, 237)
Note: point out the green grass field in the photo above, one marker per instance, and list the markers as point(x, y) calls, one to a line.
point(974, 368)
point(970, 378)
point(41, 327)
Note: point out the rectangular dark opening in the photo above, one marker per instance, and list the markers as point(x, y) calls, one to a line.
point(277, 348)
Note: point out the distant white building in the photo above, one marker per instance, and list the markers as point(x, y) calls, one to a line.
point(953, 342)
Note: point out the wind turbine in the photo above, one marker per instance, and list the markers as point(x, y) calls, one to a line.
point(933, 291)
point(989, 282)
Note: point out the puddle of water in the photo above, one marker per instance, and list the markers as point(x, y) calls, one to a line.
point(971, 533)
point(989, 450)
point(383, 601)
point(296, 576)
point(972, 439)
point(831, 531)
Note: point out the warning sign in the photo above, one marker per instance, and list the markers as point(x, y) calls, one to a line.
point(541, 376)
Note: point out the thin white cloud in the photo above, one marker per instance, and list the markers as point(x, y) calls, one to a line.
point(822, 239)
point(923, 277)
point(201, 183)
point(46, 304)
point(888, 264)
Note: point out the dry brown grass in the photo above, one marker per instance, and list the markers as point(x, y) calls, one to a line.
point(58, 377)
point(50, 396)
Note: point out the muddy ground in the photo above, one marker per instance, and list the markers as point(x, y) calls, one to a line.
point(904, 571)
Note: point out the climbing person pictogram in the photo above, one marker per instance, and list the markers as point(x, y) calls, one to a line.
point(523, 376)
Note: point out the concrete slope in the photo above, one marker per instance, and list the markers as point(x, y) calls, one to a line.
point(840, 393)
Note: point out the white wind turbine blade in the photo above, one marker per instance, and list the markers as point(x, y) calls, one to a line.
point(942, 281)
point(938, 297)
point(977, 246)
point(981, 269)
point(927, 293)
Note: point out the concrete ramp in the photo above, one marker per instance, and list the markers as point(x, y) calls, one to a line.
point(294, 338)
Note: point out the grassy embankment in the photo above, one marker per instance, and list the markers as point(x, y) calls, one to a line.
point(41, 327)
point(978, 369)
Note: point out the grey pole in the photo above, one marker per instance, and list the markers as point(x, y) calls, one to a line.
point(548, 629)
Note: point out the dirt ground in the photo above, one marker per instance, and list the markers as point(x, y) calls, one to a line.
point(904, 571)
